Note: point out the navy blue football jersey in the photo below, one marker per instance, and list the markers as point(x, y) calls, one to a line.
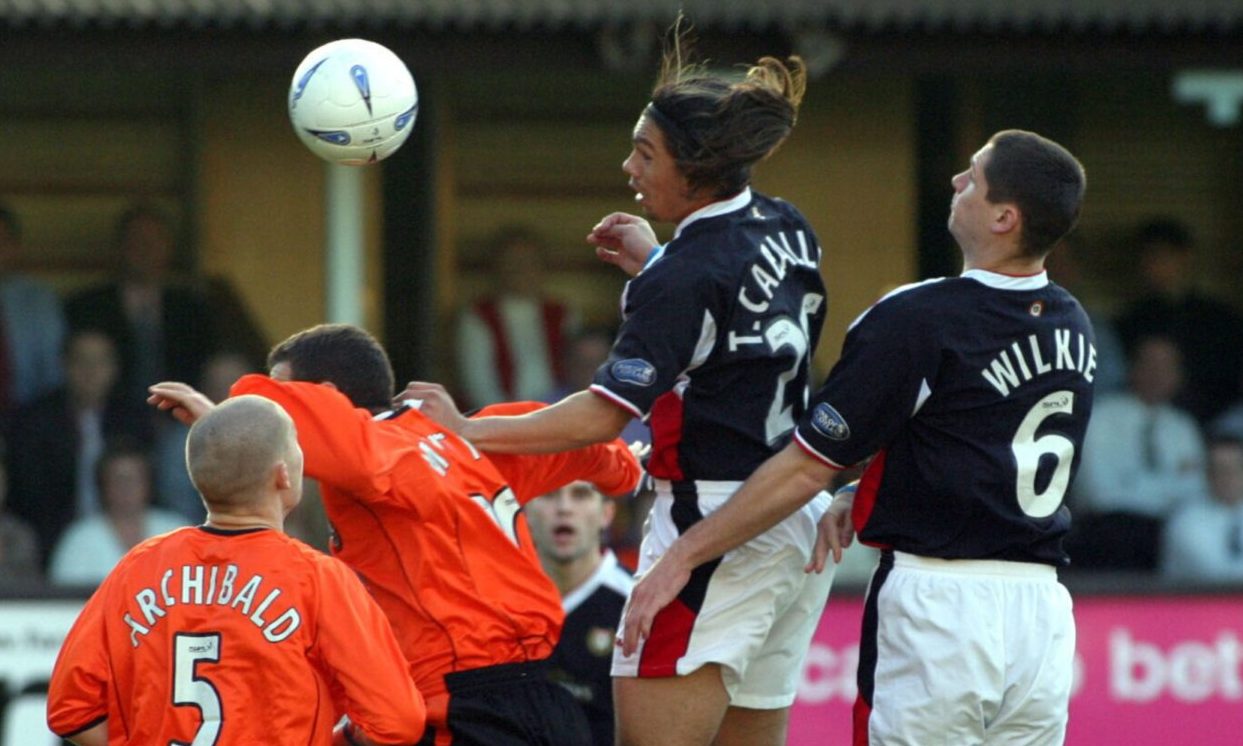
point(582, 660)
point(974, 394)
point(716, 338)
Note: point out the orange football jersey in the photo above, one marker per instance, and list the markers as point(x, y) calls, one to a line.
point(435, 529)
point(232, 637)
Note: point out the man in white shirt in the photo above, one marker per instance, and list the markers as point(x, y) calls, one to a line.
point(1204, 538)
point(511, 344)
point(1142, 458)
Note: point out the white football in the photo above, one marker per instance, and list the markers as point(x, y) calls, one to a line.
point(353, 101)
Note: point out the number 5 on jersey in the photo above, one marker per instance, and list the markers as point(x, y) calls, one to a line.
point(192, 690)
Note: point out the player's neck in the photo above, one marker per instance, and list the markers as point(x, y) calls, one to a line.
point(1001, 254)
point(1006, 264)
point(240, 521)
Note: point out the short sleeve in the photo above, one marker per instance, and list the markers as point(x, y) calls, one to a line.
point(671, 315)
point(358, 648)
point(78, 692)
point(888, 367)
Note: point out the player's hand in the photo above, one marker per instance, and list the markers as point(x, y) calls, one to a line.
point(436, 403)
point(834, 532)
point(623, 240)
point(180, 400)
point(653, 591)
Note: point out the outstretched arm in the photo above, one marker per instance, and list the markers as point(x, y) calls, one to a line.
point(779, 487)
point(578, 420)
point(612, 466)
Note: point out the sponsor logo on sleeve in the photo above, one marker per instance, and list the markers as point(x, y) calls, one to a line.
point(634, 371)
point(829, 422)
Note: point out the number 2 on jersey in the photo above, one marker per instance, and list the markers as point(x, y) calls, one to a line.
point(1028, 449)
point(503, 507)
point(782, 333)
point(192, 690)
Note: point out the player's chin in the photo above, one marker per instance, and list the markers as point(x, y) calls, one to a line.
point(649, 211)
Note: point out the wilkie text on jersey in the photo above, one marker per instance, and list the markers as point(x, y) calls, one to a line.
point(1025, 359)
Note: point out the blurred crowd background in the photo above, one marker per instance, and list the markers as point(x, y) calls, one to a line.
point(158, 220)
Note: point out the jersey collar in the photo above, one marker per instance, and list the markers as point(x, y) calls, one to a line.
point(576, 597)
point(737, 202)
point(1008, 282)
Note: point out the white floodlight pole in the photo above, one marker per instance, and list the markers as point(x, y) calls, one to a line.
point(344, 251)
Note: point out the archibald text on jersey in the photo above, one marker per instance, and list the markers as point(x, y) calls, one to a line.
point(189, 588)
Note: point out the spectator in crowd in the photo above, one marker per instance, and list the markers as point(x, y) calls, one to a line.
point(1230, 422)
point(511, 343)
point(1209, 333)
point(173, 486)
point(92, 545)
point(585, 351)
point(163, 329)
point(567, 526)
point(235, 328)
point(1142, 457)
point(19, 545)
point(56, 440)
point(32, 326)
point(1204, 538)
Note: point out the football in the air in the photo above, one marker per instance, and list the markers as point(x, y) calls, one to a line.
point(353, 102)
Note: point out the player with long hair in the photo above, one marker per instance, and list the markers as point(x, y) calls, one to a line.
point(968, 397)
point(718, 327)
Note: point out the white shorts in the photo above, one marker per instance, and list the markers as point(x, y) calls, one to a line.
point(753, 611)
point(964, 652)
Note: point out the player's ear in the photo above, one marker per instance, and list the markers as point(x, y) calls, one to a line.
point(610, 512)
point(1006, 218)
point(281, 477)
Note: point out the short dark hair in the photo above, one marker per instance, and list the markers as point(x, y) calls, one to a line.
point(1043, 179)
point(119, 447)
point(1164, 230)
point(345, 356)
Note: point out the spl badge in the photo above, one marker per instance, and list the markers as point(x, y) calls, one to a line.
point(829, 422)
point(600, 641)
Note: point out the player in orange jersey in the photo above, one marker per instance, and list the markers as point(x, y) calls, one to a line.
point(232, 632)
point(435, 529)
